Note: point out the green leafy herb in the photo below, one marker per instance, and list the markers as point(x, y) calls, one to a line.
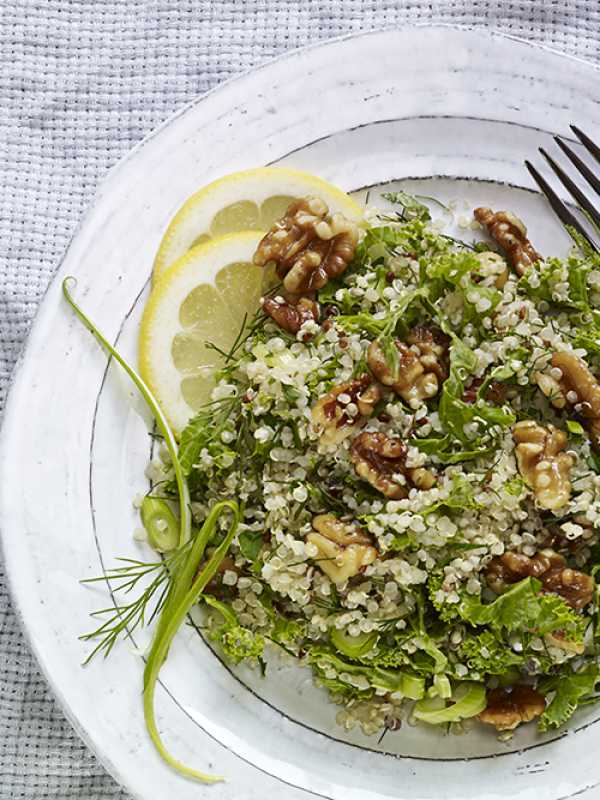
point(489, 655)
point(521, 607)
point(287, 631)
point(472, 426)
point(460, 496)
point(411, 207)
point(123, 618)
point(569, 691)
point(238, 643)
point(251, 543)
point(203, 429)
point(180, 586)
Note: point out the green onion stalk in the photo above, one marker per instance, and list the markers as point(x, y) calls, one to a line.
point(188, 578)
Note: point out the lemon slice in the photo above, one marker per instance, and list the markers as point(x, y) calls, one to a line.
point(248, 200)
point(201, 300)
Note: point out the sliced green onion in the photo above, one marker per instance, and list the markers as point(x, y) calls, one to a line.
point(185, 591)
point(403, 683)
point(468, 700)
point(441, 687)
point(352, 646)
point(429, 705)
point(411, 686)
point(160, 523)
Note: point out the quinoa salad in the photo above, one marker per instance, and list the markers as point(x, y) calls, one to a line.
point(411, 427)
point(385, 469)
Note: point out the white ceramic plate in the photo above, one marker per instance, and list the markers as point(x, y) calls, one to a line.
point(454, 112)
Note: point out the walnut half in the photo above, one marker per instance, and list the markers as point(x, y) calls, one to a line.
point(421, 367)
point(512, 567)
point(381, 460)
point(343, 548)
point(550, 568)
point(290, 316)
point(308, 246)
point(345, 409)
point(511, 234)
point(509, 707)
point(576, 588)
point(542, 463)
point(579, 388)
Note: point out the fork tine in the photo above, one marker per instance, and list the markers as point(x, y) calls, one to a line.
point(572, 188)
point(581, 166)
point(587, 142)
point(560, 209)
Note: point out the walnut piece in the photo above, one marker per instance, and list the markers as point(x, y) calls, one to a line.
point(542, 463)
point(495, 392)
point(550, 568)
point(338, 531)
point(579, 388)
point(337, 419)
point(511, 234)
point(576, 588)
point(381, 460)
point(291, 316)
point(512, 567)
point(344, 549)
point(509, 707)
point(551, 388)
point(422, 364)
point(432, 345)
point(308, 245)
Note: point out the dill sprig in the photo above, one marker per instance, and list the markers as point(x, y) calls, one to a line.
point(122, 619)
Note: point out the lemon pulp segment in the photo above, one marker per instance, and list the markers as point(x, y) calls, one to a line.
point(194, 314)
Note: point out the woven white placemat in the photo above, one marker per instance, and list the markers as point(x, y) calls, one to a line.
point(81, 81)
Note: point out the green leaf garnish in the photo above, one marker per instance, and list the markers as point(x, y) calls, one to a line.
point(251, 543)
point(569, 691)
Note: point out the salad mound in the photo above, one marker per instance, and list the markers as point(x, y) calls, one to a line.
point(411, 427)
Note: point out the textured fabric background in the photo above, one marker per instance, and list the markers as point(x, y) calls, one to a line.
point(81, 81)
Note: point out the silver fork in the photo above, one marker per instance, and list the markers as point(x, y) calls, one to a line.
point(589, 211)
